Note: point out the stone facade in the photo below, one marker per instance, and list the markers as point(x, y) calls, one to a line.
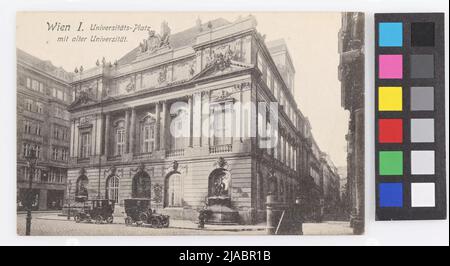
point(201, 83)
point(43, 94)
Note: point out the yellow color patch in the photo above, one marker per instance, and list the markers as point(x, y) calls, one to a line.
point(390, 99)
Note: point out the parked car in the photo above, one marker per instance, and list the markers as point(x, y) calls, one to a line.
point(138, 211)
point(98, 210)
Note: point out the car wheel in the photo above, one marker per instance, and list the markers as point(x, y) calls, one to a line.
point(143, 217)
point(110, 219)
point(156, 223)
point(98, 219)
point(166, 223)
point(128, 221)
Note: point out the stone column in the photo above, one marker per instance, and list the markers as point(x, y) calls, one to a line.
point(163, 126)
point(106, 137)
point(72, 136)
point(132, 130)
point(127, 127)
point(191, 112)
point(197, 119)
point(205, 119)
point(157, 126)
point(359, 171)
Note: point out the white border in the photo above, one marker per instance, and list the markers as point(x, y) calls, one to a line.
point(377, 233)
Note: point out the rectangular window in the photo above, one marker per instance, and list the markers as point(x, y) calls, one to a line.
point(39, 108)
point(60, 95)
point(120, 141)
point(41, 87)
point(26, 173)
point(35, 85)
point(29, 104)
point(38, 129)
point(148, 138)
point(275, 89)
point(37, 148)
point(29, 83)
point(27, 127)
point(55, 132)
point(85, 145)
point(26, 149)
point(54, 92)
point(55, 153)
point(64, 154)
point(222, 124)
point(269, 80)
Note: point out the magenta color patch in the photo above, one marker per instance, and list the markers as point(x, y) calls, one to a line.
point(390, 66)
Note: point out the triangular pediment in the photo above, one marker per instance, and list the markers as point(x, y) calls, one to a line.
point(83, 99)
point(221, 67)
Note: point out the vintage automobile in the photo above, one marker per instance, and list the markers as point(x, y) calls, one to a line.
point(138, 211)
point(98, 210)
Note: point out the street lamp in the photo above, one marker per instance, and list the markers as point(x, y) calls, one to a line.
point(31, 159)
point(69, 186)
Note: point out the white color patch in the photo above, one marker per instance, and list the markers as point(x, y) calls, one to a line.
point(423, 195)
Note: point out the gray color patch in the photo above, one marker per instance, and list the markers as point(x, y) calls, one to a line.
point(422, 130)
point(422, 66)
point(422, 98)
point(422, 163)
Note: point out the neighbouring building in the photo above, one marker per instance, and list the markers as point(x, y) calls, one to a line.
point(330, 188)
point(43, 94)
point(171, 121)
point(351, 75)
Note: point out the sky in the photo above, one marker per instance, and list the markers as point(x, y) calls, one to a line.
point(312, 40)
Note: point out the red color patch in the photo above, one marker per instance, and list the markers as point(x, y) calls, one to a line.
point(390, 130)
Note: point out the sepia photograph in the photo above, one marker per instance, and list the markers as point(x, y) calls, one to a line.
point(190, 123)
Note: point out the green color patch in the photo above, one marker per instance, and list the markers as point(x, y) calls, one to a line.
point(391, 162)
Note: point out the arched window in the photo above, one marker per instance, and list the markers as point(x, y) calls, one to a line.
point(147, 134)
point(141, 185)
point(120, 137)
point(112, 188)
point(173, 190)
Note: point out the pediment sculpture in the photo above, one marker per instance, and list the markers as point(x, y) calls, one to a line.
point(156, 41)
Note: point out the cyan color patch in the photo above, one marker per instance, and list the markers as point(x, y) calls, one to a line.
point(391, 195)
point(390, 34)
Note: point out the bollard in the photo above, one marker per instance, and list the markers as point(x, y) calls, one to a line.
point(270, 223)
point(299, 215)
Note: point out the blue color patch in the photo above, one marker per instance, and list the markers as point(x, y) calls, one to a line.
point(391, 195)
point(390, 34)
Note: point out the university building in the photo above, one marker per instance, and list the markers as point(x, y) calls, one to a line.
point(43, 94)
point(172, 121)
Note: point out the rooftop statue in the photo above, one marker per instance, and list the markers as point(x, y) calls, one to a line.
point(155, 41)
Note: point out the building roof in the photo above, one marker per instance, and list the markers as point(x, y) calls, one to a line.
point(45, 66)
point(279, 45)
point(179, 39)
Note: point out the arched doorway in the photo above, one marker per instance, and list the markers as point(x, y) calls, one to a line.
point(141, 185)
point(173, 196)
point(219, 183)
point(112, 188)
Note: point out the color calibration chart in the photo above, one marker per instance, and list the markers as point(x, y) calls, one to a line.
point(410, 116)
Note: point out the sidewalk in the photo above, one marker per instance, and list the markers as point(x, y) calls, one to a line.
point(324, 228)
point(179, 224)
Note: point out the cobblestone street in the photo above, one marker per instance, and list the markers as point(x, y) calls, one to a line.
point(44, 225)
